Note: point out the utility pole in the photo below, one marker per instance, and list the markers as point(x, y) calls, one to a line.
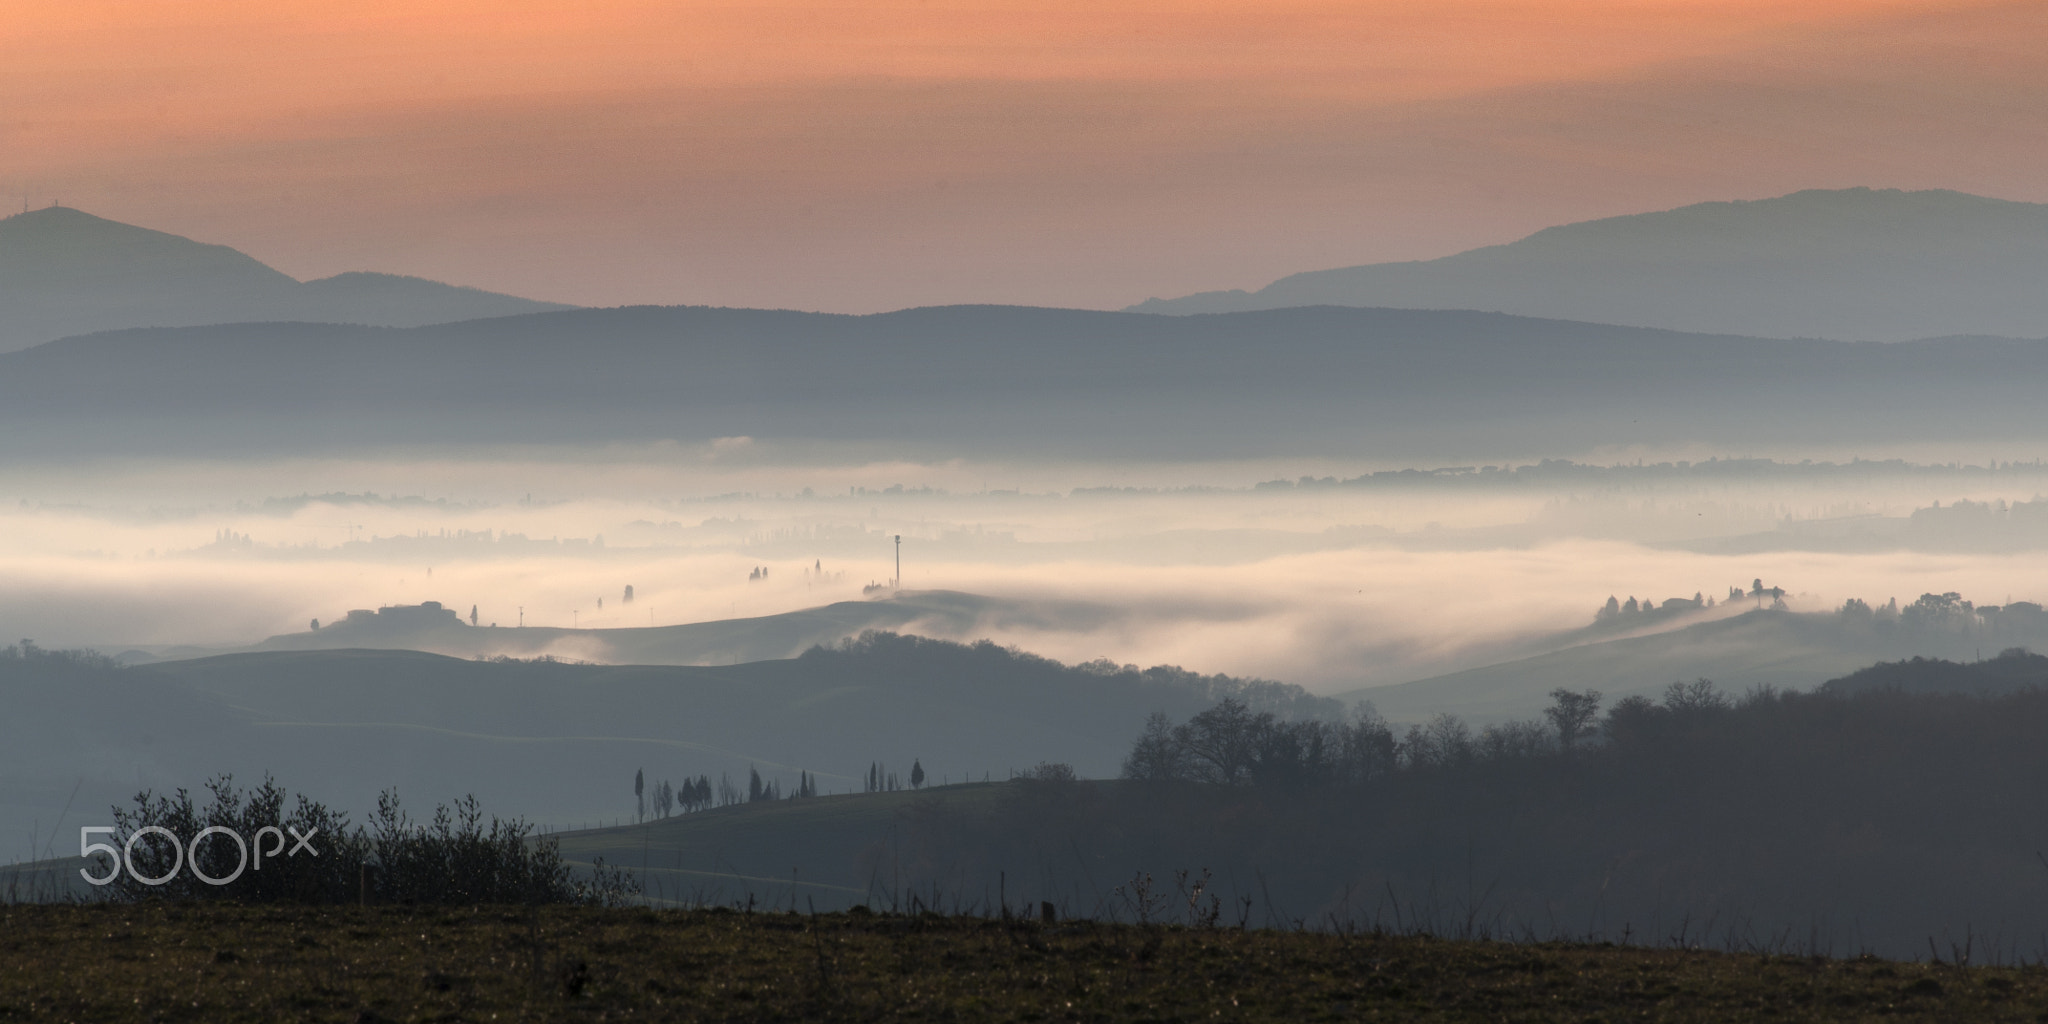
point(522, 616)
point(899, 561)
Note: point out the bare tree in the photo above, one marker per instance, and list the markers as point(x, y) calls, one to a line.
point(1218, 743)
point(1572, 713)
point(1697, 697)
point(1157, 753)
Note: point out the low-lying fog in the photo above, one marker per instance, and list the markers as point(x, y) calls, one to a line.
point(1317, 581)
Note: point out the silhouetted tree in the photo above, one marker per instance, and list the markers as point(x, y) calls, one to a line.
point(1635, 720)
point(1218, 743)
point(1697, 697)
point(1571, 713)
point(1049, 771)
point(1157, 753)
point(1444, 743)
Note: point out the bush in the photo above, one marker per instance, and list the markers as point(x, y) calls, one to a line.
point(456, 859)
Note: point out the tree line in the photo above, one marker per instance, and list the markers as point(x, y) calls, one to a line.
point(700, 794)
point(1232, 745)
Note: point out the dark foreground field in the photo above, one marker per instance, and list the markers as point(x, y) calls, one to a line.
point(222, 963)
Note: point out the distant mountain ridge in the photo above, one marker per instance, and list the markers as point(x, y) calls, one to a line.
point(1401, 383)
point(1849, 264)
point(65, 272)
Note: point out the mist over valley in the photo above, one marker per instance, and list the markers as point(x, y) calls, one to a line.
point(1004, 586)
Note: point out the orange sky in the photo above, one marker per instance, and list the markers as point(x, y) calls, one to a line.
point(881, 153)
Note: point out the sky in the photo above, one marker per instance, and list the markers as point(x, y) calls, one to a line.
point(871, 155)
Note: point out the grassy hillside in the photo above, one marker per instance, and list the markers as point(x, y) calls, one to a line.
point(830, 852)
point(1836, 822)
point(1788, 650)
point(1821, 823)
point(226, 964)
point(559, 742)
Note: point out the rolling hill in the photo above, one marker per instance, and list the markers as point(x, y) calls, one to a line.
point(557, 741)
point(1322, 380)
point(436, 630)
point(66, 272)
point(1756, 648)
point(1854, 264)
point(1834, 821)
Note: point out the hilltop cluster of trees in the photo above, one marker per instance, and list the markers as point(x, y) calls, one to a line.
point(772, 789)
point(1928, 615)
point(1231, 745)
point(1630, 613)
point(669, 798)
point(1947, 614)
point(699, 794)
point(1976, 525)
point(881, 780)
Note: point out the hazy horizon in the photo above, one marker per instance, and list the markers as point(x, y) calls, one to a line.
point(634, 152)
point(1081, 458)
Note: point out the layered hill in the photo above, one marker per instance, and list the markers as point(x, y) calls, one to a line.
point(2012, 670)
point(559, 741)
point(1396, 383)
point(1738, 651)
point(65, 272)
point(1834, 822)
point(1853, 264)
point(437, 630)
